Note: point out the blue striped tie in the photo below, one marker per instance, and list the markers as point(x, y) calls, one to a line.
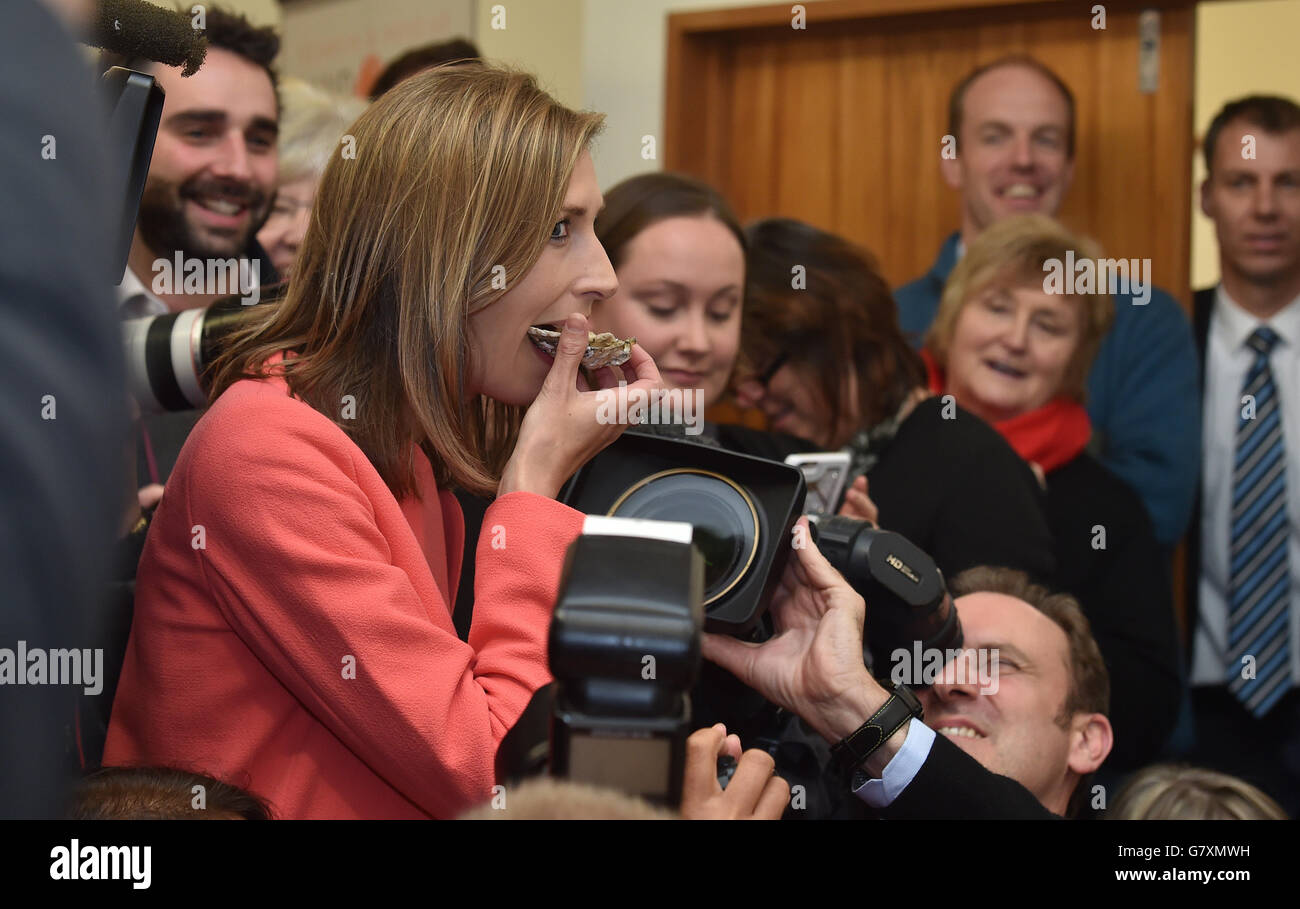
point(1259, 621)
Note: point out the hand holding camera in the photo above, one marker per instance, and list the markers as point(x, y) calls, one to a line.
point(813, 665)
point(753, 793)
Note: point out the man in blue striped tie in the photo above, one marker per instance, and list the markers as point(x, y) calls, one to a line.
point(1246, 586)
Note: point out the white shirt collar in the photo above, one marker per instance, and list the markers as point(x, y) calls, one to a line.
point(1235, 325)
point(135, 300)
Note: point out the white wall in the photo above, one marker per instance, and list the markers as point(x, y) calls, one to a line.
point(624, 58)
point(258, 12)
point(1242, 48)
point(543, 37)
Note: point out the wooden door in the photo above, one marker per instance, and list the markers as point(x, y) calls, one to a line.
point(841, 124)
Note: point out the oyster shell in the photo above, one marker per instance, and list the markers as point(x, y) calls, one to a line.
point(603, 349)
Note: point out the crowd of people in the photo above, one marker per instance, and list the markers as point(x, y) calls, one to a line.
point(348, 562)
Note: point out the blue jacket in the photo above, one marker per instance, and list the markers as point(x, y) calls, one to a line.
point(1143, 393)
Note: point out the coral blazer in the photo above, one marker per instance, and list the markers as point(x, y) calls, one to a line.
point(293, 629)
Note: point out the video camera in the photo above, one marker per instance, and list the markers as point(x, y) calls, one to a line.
point(743, 512)
point(624, 643)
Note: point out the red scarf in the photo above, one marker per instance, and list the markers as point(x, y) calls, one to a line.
point(1050, 436)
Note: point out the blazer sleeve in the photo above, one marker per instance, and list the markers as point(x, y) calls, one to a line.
point(953, 785)
point(296, 562)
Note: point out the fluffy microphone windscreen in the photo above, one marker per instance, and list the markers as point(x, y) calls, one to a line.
point(137, 29)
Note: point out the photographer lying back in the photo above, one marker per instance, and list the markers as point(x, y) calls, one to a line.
point(1022, 747)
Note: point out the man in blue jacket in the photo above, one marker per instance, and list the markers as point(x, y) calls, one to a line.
point(1014, 126)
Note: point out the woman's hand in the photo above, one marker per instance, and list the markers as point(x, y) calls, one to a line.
point(857, 504)
point(566, 426)
point(813, 666)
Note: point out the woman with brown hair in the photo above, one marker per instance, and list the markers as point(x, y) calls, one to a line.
point(679, 252)
point(680, 257)
point(1016, 349)
point(825, 360)
point(292, 627)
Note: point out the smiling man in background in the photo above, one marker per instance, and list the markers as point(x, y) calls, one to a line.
point(212, 178)
point(960, 749)
point(210, 188)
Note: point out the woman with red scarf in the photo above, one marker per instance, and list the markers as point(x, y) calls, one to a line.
point(1013, 348)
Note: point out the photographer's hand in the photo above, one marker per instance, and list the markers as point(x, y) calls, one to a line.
point(563, 428)
point(754, 792)
point(858, 504)
point(813, 666)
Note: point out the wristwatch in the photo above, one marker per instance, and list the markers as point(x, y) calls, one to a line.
point(850, 752)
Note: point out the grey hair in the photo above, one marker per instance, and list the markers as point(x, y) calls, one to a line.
point(312, 122)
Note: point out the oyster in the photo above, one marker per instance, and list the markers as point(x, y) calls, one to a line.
point(603, 349)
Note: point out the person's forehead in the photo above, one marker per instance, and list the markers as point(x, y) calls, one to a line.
point(692, 242)
point(990, 619)
point(584, 191)
point(1035, 297)
point(1280, 151)
point(224, 82)
point(1014, 89)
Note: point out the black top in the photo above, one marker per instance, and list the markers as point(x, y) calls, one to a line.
point(956, 489)
point(1124, 589)
point(775, 446)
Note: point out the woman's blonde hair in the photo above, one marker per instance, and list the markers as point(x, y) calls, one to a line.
point(1011, 253)
point(312, 123)
point(458, 178)
point(1170, 792)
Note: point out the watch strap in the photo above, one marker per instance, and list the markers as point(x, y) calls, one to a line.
point(851, 751)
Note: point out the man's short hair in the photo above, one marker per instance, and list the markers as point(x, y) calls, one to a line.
point(1089, 681)
point(957, 99)
point(457, 50)
point(1271, 113)
point(229, 31)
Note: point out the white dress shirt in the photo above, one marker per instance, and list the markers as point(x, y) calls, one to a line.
point(1227, 360)
point(135, 300)
point(901, 769)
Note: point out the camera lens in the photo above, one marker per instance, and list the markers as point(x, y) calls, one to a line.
point(725, 522)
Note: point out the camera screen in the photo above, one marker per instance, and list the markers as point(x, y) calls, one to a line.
point(635, 765)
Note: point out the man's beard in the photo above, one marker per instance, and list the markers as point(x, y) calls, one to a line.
point(165, 229)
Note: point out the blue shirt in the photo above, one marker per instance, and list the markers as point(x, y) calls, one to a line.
point(1143, 393)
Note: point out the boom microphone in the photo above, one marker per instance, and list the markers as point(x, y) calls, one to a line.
point(139, 30)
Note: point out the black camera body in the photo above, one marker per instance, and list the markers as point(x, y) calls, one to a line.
point(624, 648)
point(742, 508)
point(907, 599)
